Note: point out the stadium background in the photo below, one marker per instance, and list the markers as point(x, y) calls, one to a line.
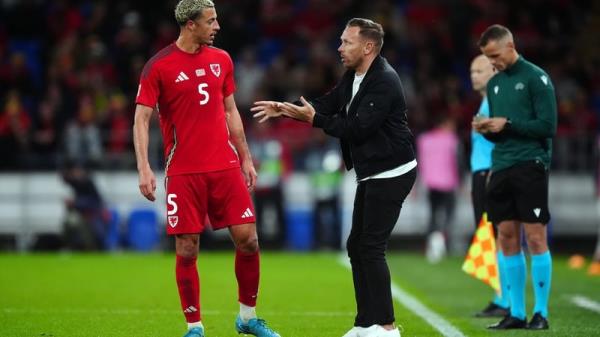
point(68, 77)
point(69, 72)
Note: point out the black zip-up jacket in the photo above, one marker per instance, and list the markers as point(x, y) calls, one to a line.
point(374, 133)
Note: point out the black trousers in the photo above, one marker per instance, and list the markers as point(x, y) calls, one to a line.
point(377, 206)
point(441, 210)
point(478, 183)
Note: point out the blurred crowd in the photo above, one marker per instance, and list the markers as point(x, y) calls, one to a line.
point(69, 70)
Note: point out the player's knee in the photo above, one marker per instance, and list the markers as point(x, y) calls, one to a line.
point(187, 252)
point(186, 246)
point(249, 245)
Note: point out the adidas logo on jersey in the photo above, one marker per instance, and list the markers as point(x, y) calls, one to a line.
point(247, 213)
point(182, 77)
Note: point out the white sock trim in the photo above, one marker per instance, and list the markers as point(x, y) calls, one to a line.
point(247, 313)
point(195, 324)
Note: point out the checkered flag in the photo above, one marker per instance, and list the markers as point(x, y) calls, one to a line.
point(481, 259)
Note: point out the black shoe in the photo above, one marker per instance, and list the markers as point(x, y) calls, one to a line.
point(493, 310)
point(509, 322)
point(538, 322)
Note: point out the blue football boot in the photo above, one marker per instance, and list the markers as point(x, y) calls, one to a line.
point(255, 326)
point(195, 332)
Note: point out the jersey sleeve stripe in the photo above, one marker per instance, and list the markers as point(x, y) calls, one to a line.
point(164, 52)
point(172, 152)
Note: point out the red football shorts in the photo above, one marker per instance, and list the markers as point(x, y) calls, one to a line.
point(222, 195)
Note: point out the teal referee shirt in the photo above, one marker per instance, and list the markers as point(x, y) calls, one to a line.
point(524, 94)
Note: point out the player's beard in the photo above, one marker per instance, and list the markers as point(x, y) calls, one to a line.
point(206, 41)
point(350, 65)
point(211, 39)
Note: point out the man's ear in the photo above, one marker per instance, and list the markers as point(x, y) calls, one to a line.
point(189, 25)
point(368, 47)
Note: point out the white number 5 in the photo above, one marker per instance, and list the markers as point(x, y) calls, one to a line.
point(171, 201)
point(204, 93)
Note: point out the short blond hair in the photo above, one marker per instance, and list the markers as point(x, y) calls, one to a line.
point(190, 10)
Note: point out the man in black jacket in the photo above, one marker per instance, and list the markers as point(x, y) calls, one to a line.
point(367, 111)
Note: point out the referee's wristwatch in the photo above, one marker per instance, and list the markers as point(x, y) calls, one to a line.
point(508, 124)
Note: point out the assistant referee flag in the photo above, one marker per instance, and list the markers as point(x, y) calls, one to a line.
point(481, 260)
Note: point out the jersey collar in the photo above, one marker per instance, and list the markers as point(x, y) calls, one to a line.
point(515, 67)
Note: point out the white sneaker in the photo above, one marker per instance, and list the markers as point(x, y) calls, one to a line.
point(436, 247)
point(354, 332)
point(379, 331)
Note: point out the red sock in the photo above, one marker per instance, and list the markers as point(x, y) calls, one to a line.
point(188, 282)
point(247, 272)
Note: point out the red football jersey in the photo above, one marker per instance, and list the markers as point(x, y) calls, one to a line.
point(188, 91)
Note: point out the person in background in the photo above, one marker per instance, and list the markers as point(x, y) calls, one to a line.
point(481, 163)
point(87, 215)
point(83, 141)
point(15, 124)
point(45, 137)
point(270, 156)
point(117, 127)
point(437, 153)
point(324, 163)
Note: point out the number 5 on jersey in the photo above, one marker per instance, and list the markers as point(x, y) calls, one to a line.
point(204, 93)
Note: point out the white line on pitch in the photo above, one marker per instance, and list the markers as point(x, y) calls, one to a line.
point(413, 304)
point(123, 311)
point(585, 303)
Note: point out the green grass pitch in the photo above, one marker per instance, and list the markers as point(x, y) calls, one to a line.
point(301, 295)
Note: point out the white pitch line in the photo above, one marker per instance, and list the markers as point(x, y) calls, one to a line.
point(97, 311)
point(123, 311)
point(414, 305)
point(585, 303)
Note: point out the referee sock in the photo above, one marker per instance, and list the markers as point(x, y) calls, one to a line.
point(541, 276)
point(502, 299)
point(516, 274)
point(188, 284)
point(247, 272)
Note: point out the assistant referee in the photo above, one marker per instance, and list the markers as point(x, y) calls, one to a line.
point(522, 124)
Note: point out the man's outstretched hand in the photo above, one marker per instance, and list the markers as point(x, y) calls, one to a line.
point(272, 109)
point(266, 110)
point(304, 112)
